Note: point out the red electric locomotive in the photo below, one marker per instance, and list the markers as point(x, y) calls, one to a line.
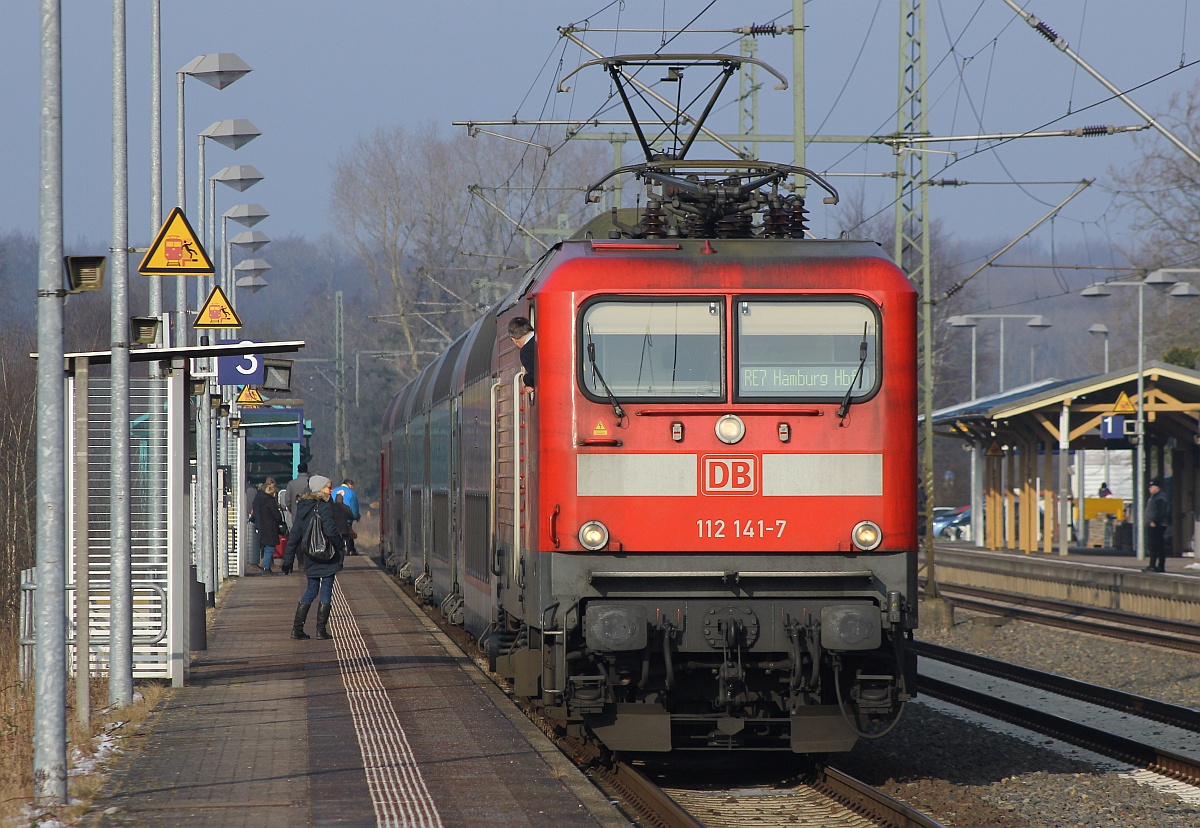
point(698, 529)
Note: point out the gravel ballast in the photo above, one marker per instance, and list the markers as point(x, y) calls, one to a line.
point(973, 774)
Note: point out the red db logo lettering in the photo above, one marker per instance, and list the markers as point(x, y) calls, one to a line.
point(725, 474)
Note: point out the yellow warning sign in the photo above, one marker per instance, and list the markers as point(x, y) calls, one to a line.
point(250, 398)
point(176, 251)
point(217, 312)
point(600, 430)
point(994, 450)
point(1124, 405)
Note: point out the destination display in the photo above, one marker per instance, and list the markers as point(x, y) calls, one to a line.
point(791, 380)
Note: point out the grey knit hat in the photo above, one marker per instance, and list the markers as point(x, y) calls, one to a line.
point(316, 483)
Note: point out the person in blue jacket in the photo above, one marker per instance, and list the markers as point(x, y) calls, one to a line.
point(345, 494)
point(315, 505)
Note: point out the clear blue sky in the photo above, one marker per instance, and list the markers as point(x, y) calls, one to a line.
point(326, 73)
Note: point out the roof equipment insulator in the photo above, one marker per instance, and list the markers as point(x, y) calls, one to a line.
point(799, 219)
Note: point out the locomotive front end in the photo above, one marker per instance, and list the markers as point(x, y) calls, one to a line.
point(732, 526)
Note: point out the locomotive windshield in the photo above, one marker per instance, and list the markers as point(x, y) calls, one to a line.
point(806, 350)
point(653, 349)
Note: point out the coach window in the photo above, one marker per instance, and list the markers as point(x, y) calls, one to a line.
point(652, 349)
point(806, 350)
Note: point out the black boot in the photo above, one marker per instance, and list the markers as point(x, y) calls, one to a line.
point(323, 611)
point(298, 621)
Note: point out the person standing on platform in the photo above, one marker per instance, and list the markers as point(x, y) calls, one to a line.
point(1158, 518)
point(345, 494)
point(291, 495)
point(1104, 491)
point(316, 504)
point(343, 517)
point(268, 520)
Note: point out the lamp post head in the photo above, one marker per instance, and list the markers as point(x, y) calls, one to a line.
point(247, 215)
point(250, 284)
point(249, 240)
point(251, 267)
point(232, 132)
point(961, 322)
point(1092, 291)
point(1160, 279)
point(239, 176)
point(1099, 330)
point(216, 69)
point(1184, 289)
point(1038, 321)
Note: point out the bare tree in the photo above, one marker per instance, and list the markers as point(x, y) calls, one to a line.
point(18, 376)
point(423, 214)
point(1163, 190)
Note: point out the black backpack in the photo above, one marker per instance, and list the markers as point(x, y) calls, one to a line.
point(316, 546)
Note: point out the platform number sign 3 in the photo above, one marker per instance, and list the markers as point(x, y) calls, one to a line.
point(240, 369)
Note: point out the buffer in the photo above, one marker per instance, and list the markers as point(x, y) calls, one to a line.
point(176, 251)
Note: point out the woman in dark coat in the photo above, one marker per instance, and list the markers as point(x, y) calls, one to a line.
point(315, 505)
point(268, 520)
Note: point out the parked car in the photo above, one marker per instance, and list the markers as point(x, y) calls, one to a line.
point(938, 511)
point(951, 524)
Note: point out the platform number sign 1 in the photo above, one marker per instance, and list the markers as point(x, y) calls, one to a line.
point(1112, 427)
point(240, 369)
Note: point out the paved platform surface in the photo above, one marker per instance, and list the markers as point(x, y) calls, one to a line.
point(389, 724)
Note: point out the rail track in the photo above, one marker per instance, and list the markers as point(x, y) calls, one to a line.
point(835, 799)
point(1036, 717)
point(1126, 626)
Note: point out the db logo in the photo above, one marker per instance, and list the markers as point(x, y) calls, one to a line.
point(729, 474)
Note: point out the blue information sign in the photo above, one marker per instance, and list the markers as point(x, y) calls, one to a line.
point(240, 369)
point(1112, 427)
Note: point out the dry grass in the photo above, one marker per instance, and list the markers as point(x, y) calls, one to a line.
point(90, 749)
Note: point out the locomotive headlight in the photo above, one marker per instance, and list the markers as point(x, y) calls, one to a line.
point(867, 535)
point(593, 535)
point(730, 429)
point(851, 627)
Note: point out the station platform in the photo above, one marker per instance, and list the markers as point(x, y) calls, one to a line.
point(389, 724)
point(1101, 556)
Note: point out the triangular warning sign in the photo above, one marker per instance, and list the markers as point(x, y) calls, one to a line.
point(1124, 405)
point(216, 312)
point(249, 398)
point(994, 450)
point(176, 251)
point(600, 430)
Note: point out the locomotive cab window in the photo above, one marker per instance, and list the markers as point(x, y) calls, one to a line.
point(806, 350)
point(652, 349)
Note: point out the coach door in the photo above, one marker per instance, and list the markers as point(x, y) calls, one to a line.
point(507, 501)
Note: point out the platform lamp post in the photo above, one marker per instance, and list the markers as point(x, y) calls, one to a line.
point(247, 241)
point(1164, 281)
point(240, 177)
point(218, 70)
point(232, 133)
point(968, 320)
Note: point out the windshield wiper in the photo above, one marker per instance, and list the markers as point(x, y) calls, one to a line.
point(862, 361)
point(591, 353)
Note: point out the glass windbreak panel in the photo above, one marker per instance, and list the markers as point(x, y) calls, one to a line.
point(653, 349)
point(805, 350)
